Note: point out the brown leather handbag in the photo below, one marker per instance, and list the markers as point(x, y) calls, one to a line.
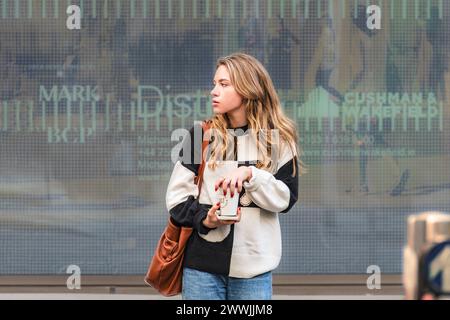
point(166, 268)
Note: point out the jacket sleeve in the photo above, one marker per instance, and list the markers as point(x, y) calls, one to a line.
point(275, 192)
point(182, 193)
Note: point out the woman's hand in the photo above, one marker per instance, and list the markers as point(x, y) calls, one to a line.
point(233, 180)
point(212, 221)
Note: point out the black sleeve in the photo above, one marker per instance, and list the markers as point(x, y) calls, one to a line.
point(190, 213)
point(285, 174)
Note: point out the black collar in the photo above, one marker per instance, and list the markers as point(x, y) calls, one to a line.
point(240, 130)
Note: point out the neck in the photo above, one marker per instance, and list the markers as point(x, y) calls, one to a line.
point(237, 118)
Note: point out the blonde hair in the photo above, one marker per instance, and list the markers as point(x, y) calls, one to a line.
point(263, 108)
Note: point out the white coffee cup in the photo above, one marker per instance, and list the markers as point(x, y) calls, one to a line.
point(228, 205)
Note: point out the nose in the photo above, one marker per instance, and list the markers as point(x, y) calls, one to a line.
point(214, 92)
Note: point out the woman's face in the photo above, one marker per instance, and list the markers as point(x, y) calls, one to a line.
point(224, 96)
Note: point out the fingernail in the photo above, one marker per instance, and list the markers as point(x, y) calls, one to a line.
point(218, 203)
point(225, 193)
point(215, 189)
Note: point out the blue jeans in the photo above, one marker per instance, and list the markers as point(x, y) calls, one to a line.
point(199, 285)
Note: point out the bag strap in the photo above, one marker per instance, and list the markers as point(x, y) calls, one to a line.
point(199, 178)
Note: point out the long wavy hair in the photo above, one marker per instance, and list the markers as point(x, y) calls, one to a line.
point(264, 113)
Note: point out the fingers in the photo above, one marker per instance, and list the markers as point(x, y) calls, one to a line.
point(224, 183)
point(238, 214)
point(232, 186)
point(225, 186)
point(218, 183)
point(211, 220)
point(227, 222)
point(213, 209)
point(215, 219)
point(239, 185)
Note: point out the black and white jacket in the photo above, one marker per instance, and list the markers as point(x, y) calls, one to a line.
point(253, 245)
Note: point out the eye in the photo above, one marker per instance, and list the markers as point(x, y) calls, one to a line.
point(224, 85)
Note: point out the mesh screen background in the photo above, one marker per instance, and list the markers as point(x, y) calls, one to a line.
point(86, 118)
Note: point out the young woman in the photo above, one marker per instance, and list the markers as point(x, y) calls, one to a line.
point(234, 259)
